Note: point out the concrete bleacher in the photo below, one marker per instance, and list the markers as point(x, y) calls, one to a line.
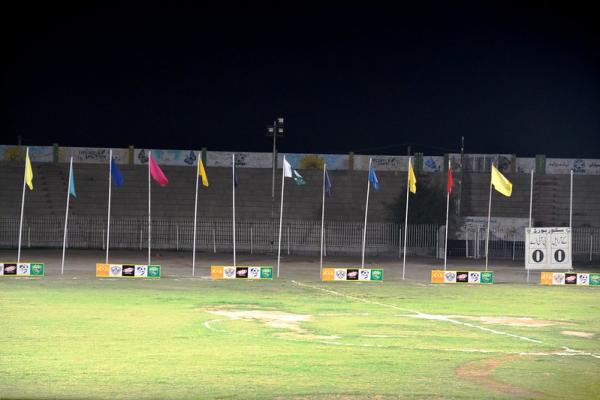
point(550, 198)
point(253, 194)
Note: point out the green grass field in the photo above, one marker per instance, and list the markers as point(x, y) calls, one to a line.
point(198, 339)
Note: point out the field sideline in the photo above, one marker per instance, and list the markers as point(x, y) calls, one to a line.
point(75, 336)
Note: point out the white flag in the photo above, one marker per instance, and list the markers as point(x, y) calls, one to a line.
point(287, 169)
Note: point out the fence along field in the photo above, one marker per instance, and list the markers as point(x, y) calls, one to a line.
point(300, 237)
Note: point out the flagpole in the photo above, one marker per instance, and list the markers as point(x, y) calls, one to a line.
point(323, 219)
point(280, 215)
point(22, 206)
point(530, 209)
point(364, 241)
point(233, 202)
point(570, 203)
point(531, 199)
point(406, 219)
point(109, 196)
point(62, 268)
point(149, 209)
point(195, 217)
point(487, 235)
point(447, 212)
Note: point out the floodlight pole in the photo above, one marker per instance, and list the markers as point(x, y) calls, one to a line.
point(277, 127)
point(274, 163)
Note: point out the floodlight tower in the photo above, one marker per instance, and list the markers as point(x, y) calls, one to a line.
point(275, 130)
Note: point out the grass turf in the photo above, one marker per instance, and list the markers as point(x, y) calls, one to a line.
point(144, 339)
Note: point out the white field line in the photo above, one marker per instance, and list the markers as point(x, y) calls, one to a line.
point(418, 314)
point(568, 352)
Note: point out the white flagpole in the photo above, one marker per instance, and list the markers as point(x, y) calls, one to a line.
point(530, 209)
point(149, 210)
point(570, 203)
point(447, 212)
point(364, 241)
point(109, 195)
point(62, 268)
point(280, 215)
point(233, 202)
point(406, 219)
point(531, 199)
point(22, 207)
point(323, 219)
point(195, 218)
point(487, 235)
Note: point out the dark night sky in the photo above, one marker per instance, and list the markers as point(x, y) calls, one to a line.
point(510, 78)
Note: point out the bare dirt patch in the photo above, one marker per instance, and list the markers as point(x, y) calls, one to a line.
point(509, 321)
point(481, 371)
point(586, 335)
point(275, 319)
point(513, 321)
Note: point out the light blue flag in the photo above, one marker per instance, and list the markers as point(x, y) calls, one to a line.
point(327, 185)
point(72, 183)
point(373, 178)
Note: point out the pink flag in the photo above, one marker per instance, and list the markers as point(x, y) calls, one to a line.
point(157, 173)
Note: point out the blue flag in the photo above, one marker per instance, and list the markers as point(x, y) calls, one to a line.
point(327, 184)
point(116, 174)
point(373, 178)
point(72, 183)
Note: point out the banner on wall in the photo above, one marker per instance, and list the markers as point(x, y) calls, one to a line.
point(352, 274)
point(481, 162)
point(433, 164)
point(316, 161)
point(36, 153)
point(570, 278)
point(525, 165)
point(240, 272)
point(127, 271)
point(475, 277)
point(501, 228)
point(22, 269)
point(580, 166)
point(92, 155)
point(381, 163)
point(167, 157)
point(242, 159)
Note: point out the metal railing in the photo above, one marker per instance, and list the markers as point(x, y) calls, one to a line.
point(215, 235)
point(509, 244)
point(260, 236)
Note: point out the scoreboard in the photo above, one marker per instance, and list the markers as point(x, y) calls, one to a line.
point(548, 248)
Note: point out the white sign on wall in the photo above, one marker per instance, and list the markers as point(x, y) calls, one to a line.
point(93, 155)
point(579, 166)
point(548, 248)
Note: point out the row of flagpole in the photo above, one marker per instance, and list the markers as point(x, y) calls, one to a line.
point(497, 181)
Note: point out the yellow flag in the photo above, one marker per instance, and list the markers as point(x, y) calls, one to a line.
point(412, 180)
point(500, 183)
point(28, 173)
point(202, 173)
